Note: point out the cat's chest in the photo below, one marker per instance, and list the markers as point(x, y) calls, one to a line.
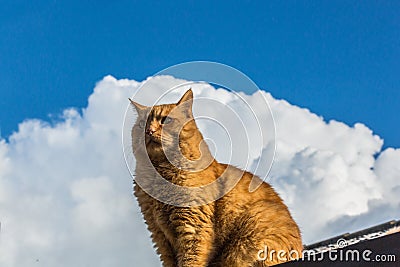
point(166, 171)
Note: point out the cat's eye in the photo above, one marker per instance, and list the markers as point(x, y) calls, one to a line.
point(142, 123)
point(166, 120)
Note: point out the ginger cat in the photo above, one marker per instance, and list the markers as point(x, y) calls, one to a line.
point(233, 230)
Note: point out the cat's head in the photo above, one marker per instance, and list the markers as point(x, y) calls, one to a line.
point(163, 127)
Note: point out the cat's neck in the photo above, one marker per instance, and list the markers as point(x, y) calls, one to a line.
point(194, 147)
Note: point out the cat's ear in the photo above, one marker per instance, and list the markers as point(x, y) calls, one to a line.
point(187, 99)
point(139, 108)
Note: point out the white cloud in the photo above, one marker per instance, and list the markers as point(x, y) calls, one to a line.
point(66, 194)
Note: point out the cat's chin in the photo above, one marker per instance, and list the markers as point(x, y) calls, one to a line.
point(152, 141)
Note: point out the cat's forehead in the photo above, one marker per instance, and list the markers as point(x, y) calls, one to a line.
point(161, 110)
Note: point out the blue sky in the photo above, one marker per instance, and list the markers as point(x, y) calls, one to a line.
point(341, 59)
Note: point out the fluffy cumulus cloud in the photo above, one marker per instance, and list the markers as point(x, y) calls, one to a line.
point(66, 194)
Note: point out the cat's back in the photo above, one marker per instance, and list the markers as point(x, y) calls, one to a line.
point(261, 212)
point(240, 192)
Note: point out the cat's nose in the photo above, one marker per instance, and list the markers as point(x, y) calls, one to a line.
point(150, 131)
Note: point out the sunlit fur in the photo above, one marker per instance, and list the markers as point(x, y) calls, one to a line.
point(227, 232)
